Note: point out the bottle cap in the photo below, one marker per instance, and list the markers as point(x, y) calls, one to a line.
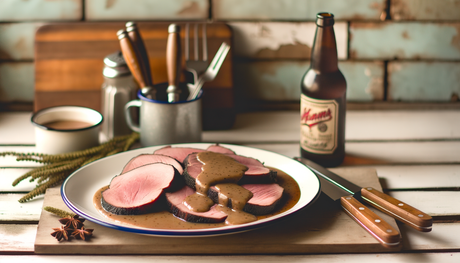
point(324, 19)
point(173, 28)
point(115, 66)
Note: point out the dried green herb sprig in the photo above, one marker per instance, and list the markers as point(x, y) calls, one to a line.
point(58, 167)
point(59, 212)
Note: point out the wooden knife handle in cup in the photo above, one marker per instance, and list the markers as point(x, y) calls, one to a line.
point(139, 47)
point(130, 57)
point(173, 59)
point(399, 210)
point(375, 225)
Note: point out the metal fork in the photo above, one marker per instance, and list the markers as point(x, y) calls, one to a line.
point(196, 66)
point(211, 71)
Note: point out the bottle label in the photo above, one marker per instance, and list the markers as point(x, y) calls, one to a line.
point(318, 125)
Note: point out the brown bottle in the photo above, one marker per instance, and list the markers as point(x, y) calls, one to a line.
point(323, 100)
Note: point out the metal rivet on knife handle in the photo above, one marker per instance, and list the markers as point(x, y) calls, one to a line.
point(400, 210)
point(377, 227)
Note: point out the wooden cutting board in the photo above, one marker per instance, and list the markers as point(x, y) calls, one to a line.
point(69, 61)
point(321, 228)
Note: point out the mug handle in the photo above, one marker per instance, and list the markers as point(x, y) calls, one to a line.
point(129, 120)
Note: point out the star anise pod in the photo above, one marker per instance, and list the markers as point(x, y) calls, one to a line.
point(74, 222)
point(61, 232)
point(82, 233)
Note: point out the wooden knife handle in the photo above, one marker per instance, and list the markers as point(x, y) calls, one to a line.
point(375, 225)
point(173, 55)
point(139, 48)
point(130, 57)
point(400, 210)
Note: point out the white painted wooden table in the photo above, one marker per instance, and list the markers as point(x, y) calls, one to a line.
point(416, 155)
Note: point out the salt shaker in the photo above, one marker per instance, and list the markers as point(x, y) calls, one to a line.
point(118, 89)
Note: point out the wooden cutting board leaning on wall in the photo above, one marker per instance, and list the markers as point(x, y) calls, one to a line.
point(69, 61)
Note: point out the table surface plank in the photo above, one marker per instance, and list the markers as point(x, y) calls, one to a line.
point(416, 154)
point(343, 258)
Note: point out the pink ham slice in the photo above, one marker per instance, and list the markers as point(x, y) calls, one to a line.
point(144, 159)
point(219, 149)
point(180, 153)
point(256, 173)
point(177, 208)
point(264, 200)
point(140, 190)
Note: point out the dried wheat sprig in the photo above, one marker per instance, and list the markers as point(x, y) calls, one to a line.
point(41, 189)
point(66, 167)
point(58, 167)
point(37, 172)
point(131, 140)
point(59, 212)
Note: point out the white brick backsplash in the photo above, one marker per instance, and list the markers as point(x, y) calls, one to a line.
point(17, 81)
point(405, 40)
point(17, 40)
point(425, 9)
point(282, 39)
point(38, 10)
point(423, 81)
point(280, 80)
point(146, 9)
point(296, 9)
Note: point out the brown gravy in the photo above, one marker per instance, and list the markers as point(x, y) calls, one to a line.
point(67, 124)
point(223, 172)
point(166, 220)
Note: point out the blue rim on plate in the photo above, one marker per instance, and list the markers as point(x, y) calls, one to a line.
point(78, 189)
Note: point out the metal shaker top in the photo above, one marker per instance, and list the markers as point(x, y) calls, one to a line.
point(115, 66)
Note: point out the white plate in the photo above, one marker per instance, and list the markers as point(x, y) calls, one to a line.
point(79, 188)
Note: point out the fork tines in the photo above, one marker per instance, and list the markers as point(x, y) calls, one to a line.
point(204, 52)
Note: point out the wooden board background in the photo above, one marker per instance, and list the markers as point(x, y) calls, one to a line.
point(321, 228)
point(69, 61)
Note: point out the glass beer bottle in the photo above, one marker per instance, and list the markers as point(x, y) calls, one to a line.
point(323, 100)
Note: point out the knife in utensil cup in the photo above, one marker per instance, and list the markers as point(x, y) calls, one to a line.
point(385, 203)
point(142, 56)
point(173, 60)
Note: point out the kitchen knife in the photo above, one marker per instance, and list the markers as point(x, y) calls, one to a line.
point(173, 59)
point(142, 55)
point(376, 226)
point(387, 204)
point(131, 58)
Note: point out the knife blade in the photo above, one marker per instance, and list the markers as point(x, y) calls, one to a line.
point(385, 203)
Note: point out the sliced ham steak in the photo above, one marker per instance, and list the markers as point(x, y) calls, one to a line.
point(219, 149)
point(140, 190)
point(177, 208)
point(256, 173)
point(144, 159)
point(180, 153)
point(264, 200)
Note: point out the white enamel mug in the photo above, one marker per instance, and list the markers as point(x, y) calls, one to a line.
point(161, 122)
point(51, 139)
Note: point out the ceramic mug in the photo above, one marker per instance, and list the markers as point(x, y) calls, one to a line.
point(63, 129)
point(161, 122)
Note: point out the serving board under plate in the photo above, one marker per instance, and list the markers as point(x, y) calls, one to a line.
point(321, 228)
